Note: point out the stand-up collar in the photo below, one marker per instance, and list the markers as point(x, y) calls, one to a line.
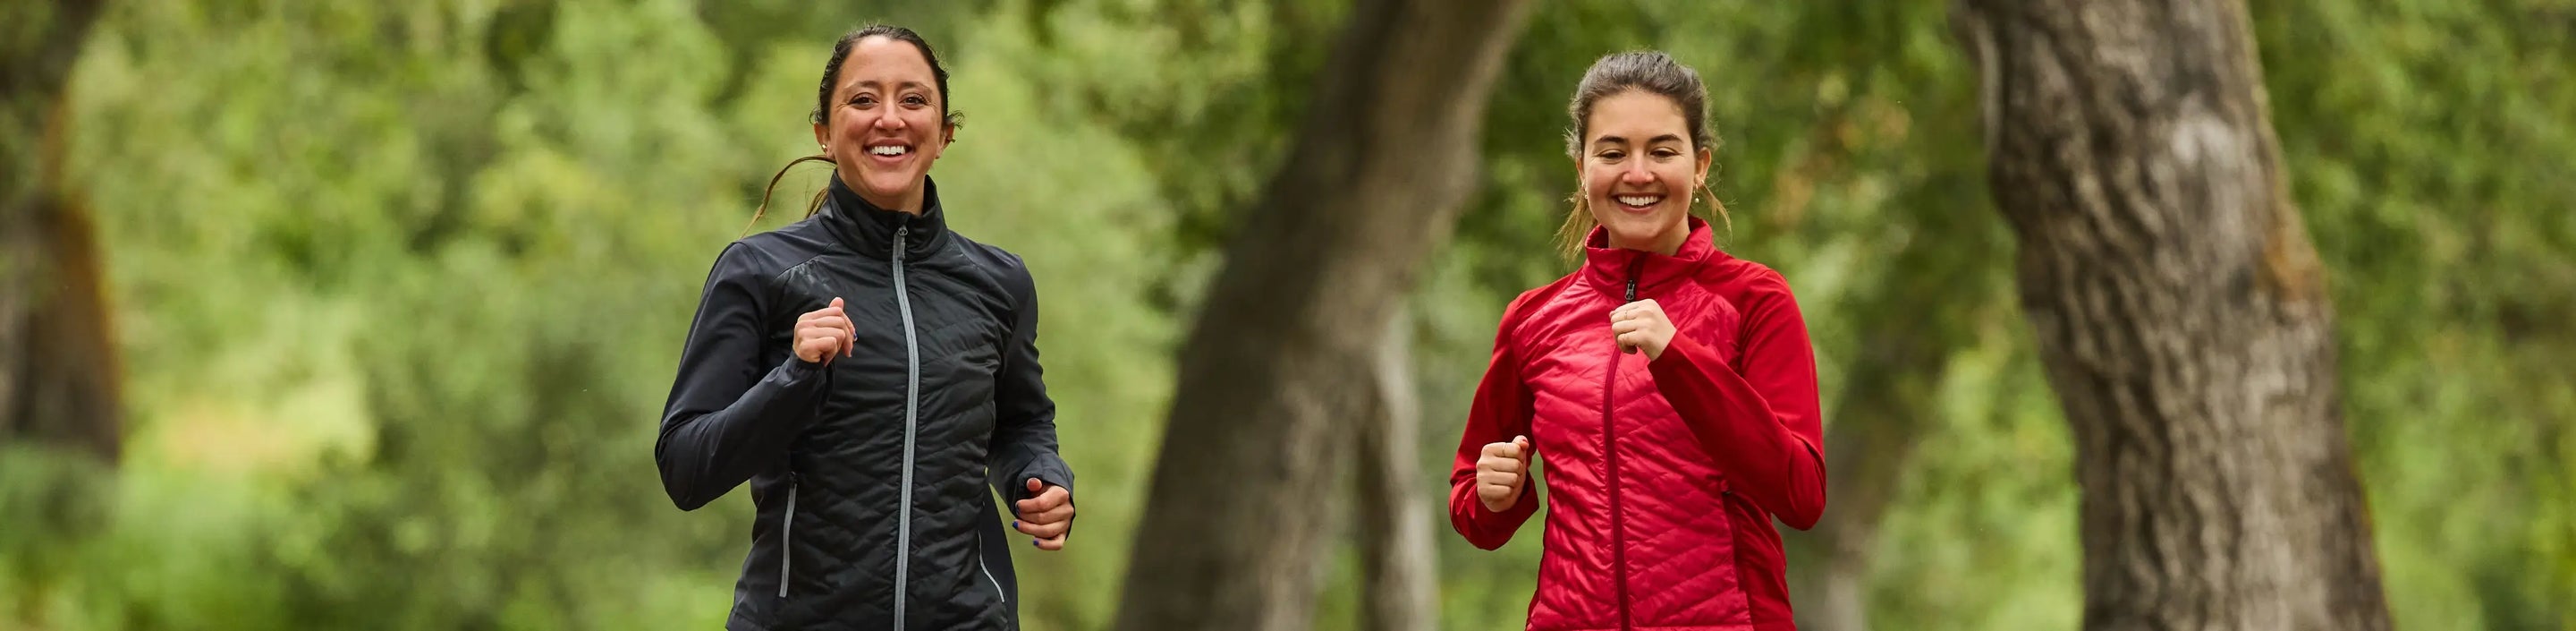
point(1612, 270)
point(871, 230)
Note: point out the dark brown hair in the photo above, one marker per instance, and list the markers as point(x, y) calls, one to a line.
point(823, 102)
point(1651, 72)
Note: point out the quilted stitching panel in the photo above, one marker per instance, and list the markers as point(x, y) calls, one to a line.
point(850, 468)
point(1681, 542)
point(1687, 545)
point(1573, 586)
point(1680, 539)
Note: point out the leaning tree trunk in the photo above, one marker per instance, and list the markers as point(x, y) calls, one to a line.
point(1274, 373)
point(2181, 314)
point(1398, 591)
point(1910, 326)
point(57, 368)
point(1880, 416)
point(1884, 409)
point(58, 371)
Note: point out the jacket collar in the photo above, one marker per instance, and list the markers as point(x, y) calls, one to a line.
point(871, 231)
point(1613, 270)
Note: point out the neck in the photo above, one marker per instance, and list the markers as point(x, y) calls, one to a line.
point(1665, 242)
point(908, 202)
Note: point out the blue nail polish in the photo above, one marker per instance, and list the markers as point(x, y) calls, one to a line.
point(1015, 523)
point(1033, 542)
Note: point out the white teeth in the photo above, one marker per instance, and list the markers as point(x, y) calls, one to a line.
point(887, 150)
point(1639, 200)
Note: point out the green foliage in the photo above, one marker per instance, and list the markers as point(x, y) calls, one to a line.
point(2426, 142)
point(411, 285)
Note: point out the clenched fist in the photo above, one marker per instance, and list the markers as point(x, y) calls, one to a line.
point(1641, 326)
point(1047, 514)
point(823, 334)
point(1502, 472)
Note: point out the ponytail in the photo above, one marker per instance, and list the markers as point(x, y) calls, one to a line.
point(810, 207)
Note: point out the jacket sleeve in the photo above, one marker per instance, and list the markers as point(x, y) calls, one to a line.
point(729, 417)
point(1024, 444)
point(1763, 424)
point(1500, 411)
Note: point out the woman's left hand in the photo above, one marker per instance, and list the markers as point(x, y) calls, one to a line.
point(1641, 325)
point(1047, 514)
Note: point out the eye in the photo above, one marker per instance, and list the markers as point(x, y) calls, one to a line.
point(863, 99)
point(1611, 155)
point(915, 100)
point(1666, 152)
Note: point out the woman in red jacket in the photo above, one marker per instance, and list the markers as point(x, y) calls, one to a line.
point(1670, 386)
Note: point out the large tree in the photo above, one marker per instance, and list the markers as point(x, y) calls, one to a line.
point(2181, 314)
point(1279, 369)
point(1399, 586)
point(58, 375)
point(1911, 324)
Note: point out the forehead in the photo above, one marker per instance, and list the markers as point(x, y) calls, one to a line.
point(886, 61)
point(1637, 115)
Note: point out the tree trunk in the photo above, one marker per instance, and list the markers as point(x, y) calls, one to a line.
point(1881, 416)
point(1912, 323)
point(2180, 311)
point(58, 368)
point(1272, 375)
point(1398, 591)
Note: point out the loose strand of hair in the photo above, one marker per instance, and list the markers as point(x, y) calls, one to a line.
point(1720, 206)
point(765, 192)
point(1578, 224)
point(1577, 227)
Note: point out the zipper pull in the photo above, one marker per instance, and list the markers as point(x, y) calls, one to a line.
point(1632, 295)
point(1635, 265)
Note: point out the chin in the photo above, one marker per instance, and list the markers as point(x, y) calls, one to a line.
point(886, 184)
point(1635, 229)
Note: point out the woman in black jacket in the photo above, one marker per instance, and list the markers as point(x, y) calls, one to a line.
point(870, 372)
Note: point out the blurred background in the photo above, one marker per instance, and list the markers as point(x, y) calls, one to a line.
point(392, 293)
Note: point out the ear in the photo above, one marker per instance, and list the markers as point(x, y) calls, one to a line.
point(1699, 171)
point(822, 135)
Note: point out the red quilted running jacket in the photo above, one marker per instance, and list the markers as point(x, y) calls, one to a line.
point(1661, 477)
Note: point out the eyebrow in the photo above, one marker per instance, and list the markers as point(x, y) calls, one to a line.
point(1621, 140)
point(913, 85)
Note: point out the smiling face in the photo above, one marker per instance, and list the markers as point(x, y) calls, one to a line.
point(886, 123)
point(1638, 168)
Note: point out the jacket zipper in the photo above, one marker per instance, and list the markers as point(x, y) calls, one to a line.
point(988, 569)
point(1610, 443)
point(786, 536)
point(911, 405)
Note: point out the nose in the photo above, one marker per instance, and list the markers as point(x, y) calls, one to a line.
point(1636, 174)
point(887, 120)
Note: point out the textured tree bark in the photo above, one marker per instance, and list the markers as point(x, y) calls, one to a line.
point(58, 370)
point(1276, 370)
point(2181, 314)
point(1398, 591)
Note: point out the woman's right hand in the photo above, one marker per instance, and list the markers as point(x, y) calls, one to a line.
point(823, 334)
point(1501, 472)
